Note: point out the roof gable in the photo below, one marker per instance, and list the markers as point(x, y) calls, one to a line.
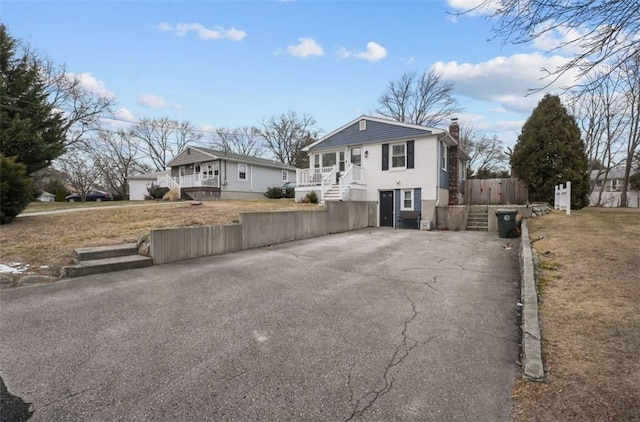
point(375, 130)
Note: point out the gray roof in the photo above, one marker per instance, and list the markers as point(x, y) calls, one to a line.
point(614, 173)
point(377, 130)
point(230, 156)
point(148, 176)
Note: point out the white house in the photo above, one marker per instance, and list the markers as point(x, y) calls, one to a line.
point(607, 189)
point(139, 184)
point(203, 173)
point(400, 166)
point(46, 197)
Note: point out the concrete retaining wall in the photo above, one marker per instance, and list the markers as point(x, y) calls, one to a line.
point(172, 245)
point(452, 217)
point(258, 229)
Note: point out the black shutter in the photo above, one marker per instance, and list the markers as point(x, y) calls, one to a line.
point(410, 154)
point(385, 157)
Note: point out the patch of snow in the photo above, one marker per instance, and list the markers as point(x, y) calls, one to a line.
point(13, 268)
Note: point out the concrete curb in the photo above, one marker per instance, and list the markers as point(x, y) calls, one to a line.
point(531, 351)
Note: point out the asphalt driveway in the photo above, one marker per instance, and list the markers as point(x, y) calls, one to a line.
point(371, 325)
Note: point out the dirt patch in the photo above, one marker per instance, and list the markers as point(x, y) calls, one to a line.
point(589, 287)
point(45, 243)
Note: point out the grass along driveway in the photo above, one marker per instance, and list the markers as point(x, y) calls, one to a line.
point(42, 244)
point(589, 288)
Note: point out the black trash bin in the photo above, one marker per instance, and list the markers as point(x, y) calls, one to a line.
point(507, 222)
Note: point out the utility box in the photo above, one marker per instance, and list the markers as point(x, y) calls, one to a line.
point(507, 226)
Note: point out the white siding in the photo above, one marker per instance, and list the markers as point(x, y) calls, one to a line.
point(424, 175)
point(138, 188)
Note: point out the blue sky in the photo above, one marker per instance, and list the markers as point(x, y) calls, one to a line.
point(230, 64)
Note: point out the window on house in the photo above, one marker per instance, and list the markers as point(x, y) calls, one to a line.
point(242, 172)
point(183, 171)
point(362, 125)
point(328, 159)
point(398, 156)
point(316, 161)
point(407, 200)
point(341, 161)
point(198, 168)
point(614, 184)
point(285, 175)
point(356, 156)
point(598, 182)
point(443, 156)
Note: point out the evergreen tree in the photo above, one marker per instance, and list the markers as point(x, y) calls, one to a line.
point(16, 189)
point(30, 129)
point(549, 151)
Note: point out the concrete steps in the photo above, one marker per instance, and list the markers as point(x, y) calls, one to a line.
point(478, 219)
point(104, 259)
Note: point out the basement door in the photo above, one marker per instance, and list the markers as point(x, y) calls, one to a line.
point(386, 208)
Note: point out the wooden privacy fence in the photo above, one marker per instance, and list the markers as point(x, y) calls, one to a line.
point(496, 191)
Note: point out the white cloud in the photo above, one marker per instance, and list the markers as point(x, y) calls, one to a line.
point(154, 101)
point(374, 52)
point(505, 80)
point(123, 114)
point(305, 48)
point(204, 33)
point(207, 128)
point(473, 7)
point(91, 84)
point(561, 39)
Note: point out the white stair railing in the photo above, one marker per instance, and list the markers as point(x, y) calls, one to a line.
point(345, 180)
point(327, 181)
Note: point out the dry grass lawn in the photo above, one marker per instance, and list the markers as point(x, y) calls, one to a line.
point(589, 285)
point(46, 242)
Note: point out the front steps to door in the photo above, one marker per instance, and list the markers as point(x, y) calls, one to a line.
point(333, 194)
point(104, 259)
point(478, 218)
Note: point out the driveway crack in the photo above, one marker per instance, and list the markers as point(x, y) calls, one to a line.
point(400, 354)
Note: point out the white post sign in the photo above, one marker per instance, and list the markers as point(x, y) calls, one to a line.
point(562, 199)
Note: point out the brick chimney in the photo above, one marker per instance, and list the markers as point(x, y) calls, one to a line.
point(454, 130)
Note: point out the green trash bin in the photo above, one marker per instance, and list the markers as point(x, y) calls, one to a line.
point(507, 222)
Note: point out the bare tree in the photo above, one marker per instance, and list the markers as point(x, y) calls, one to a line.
point(117, 156)
point(243, 140)
point(600, 113)
point(486, 154)
point(603, 32)
point(419, 99)
point(163, 138)
point(630, 73)
point(80, 170)
point(81, 107)
point(285, 135)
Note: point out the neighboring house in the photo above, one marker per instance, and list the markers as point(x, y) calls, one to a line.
point(46, 197)
point(139, 184)
point(607, 189)
point(203, 173)
point(401, 167)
